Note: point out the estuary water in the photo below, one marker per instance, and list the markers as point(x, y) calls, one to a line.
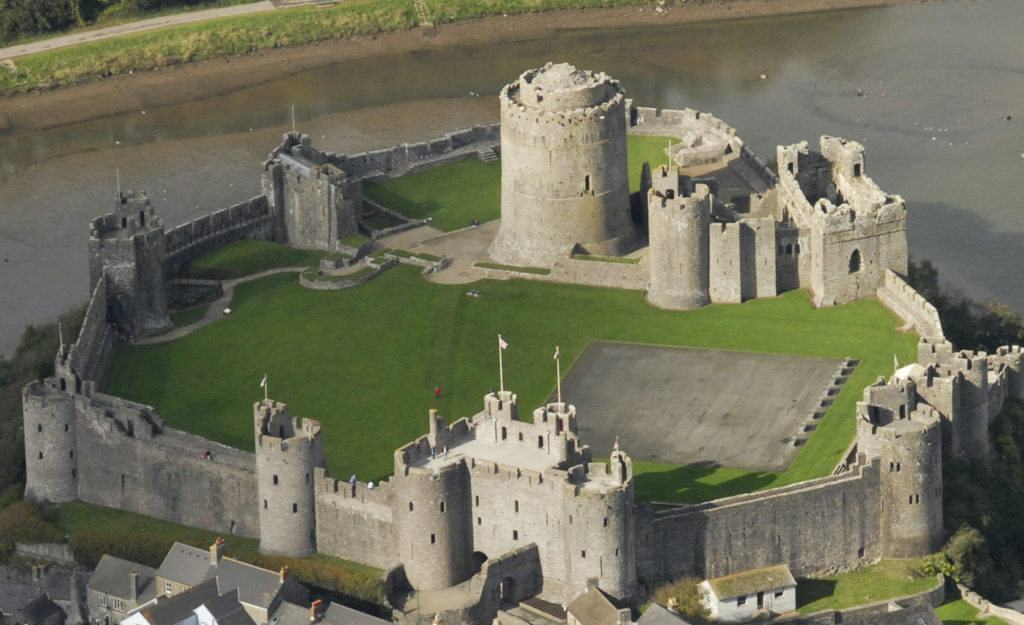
point(941, 116)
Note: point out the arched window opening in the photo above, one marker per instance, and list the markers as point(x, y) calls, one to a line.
point(855, 261)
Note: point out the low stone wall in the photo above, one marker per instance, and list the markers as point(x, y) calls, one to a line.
point(985, 607)
point(589, 272)
point(52, 552)
point(337, 285)
point(917, 312)
point(90, 355)
point(251, 219)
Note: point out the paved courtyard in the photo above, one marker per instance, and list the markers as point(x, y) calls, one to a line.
point(695, 406)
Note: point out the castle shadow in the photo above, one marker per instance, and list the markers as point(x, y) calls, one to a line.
point(690, 484)
point(811, 590)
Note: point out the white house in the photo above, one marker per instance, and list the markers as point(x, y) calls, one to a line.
point(739, 596)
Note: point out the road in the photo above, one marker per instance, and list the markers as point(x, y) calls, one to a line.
point(97, 34)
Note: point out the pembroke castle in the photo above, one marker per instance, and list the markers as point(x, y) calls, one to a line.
point(517, 508)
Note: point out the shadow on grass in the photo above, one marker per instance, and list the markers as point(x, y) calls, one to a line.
point(810, 590)
point(695, 483)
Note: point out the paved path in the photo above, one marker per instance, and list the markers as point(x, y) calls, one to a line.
point(216, 309)
point(96, 34)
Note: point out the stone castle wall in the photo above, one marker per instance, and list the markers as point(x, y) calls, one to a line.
point(827, 523)
point(251, 219)
point(91, 354)
point(916, 312)
point(363, 512)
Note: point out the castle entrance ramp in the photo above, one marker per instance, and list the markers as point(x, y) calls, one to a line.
point(696, 406)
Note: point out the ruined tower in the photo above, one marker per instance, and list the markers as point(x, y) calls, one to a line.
point(678, 225)
point(48, 408)
point(287, 451)
point(127, 247)
point(563, 167)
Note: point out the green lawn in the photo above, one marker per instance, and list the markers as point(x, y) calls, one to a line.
point(959, 612)
point(248, 257)
point(887, 579)
point(452, 195)
point(189, 315)
point(365, 361)
point(455, 194)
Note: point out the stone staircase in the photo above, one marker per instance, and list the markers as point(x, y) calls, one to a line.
point(489, 156)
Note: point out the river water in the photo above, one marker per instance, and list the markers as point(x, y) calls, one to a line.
point(939, 81)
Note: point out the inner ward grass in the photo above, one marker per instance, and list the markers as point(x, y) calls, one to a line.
point(959, 612)
point(888, 579)
point(455, 194)
point(248, 257)
point(365, 362)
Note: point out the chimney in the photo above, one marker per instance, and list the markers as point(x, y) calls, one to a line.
point(133, 586)
point(216, 551)
point(283, 573)
point(314, 610)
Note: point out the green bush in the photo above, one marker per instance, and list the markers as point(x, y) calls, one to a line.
point(23, 521)
point(687, 595)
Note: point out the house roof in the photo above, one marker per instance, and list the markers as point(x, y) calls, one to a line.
point(186, 565)
point(39, 609)
point(255, 586)
point(916, 615)
point(228, 610)
point(173, 610)
point(749, 582)
point(338, 614)
point(113, 577)
point(594, 607)
point(657, 614)
point(14, 596)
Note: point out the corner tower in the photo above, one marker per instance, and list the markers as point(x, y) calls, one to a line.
point(563, 167)
point(678, 224)
point(127, 247)
point(287, 451)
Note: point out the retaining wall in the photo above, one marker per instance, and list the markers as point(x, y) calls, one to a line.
point(933, 597)
point(52, 552)
point(911, 306)
point(985, 607)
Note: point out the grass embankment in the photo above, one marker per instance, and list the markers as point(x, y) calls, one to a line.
point(248, 257)
point(453, 195)
point(188, 316)
point(365, 362)
point(959, 612)
point(888, 579)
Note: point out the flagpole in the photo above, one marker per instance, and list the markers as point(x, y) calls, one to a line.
point(558, 376)
point(501, 369)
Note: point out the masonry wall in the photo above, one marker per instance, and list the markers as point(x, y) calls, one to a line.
point(726, 265)
point(129, 460)
point(91, 354)
point(600, 273)
point(354, 521)
point(917, 312)
point(251, 219)
point(826, 523)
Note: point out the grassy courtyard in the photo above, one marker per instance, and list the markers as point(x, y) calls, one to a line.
point(453, 195)
point(365, 361)
point(888, 579)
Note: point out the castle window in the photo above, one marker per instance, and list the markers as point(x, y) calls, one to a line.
point(616, 552)
point(264, 504)
point(307, 478)
point(606, 521)
point(124, 222)
point(917, 498)
point(782, 249)
point(40, 455)
point(65, 427)
point(586, 182)
point(479, 521)
point(789, 249)
point(71, 454)
point(517, 505)
point(410, 506)
point(583, 554)
point(142, 222)
point(295, 508)
point(39, 427)
point(504, 433)
point(860, 552)
point(670, 193)
point(570, 519)
point(910, 499)
point(856, 170)
point(275, 480)
point(520, 436)
point(433, 538)
point(796, 249)
point(74, 473)
point(855, 261)
point(478, 500)
point(789, 166)
point(442, 506)
point(897, 467)
point(540, 442)
point(515, 535)
point(903, 412)
point(892, 467)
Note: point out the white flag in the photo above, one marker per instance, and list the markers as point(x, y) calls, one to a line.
point(501, 343)
point(556, 353)
point(263, 382)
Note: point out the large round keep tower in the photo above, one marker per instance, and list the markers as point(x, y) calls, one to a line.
point(287, 451)
point(563, 167)
point(50, 465)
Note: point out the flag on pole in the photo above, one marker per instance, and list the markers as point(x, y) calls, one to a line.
point(615, 447)
point(556, 353)
point(502, 343)
point(263, 382)
point(895, 363)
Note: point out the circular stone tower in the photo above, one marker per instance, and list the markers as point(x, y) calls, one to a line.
point(50, 464)
point(563, 167)
point(287, 451)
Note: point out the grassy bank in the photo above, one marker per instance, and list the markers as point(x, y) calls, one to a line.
point(365, 361)
point(888, 579)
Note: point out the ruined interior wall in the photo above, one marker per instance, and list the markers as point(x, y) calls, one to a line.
point(251, 219)
point(600, 273)
point(353, 521)
point(879, 246)
point(90, 355)
point(830, 522)
point(757, 248)
point(127, 460)
point(725, 281)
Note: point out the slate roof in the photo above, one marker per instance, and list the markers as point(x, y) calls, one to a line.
point(228, 611)
point(39, 609)
point(186, 564)
point(113, 577)
point(338, 614)
point(916, 615)
point(657, 614)
point(749, 582)
point(255, 586)
point(594, 608)
point(13, 596)
point(173, 610)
